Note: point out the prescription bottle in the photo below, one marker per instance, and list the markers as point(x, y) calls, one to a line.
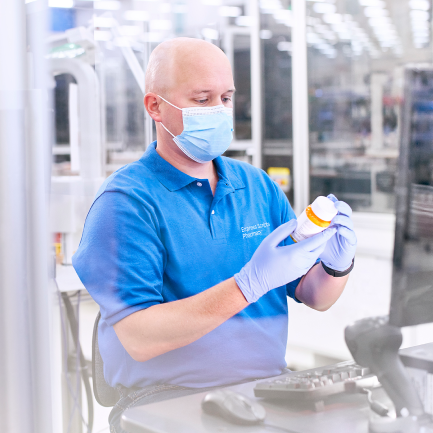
point(315, 218)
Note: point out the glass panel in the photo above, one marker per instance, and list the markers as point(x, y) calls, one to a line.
point(355, 52)
point(277, 92)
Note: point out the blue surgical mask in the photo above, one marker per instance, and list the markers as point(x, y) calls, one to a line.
point(207, 131)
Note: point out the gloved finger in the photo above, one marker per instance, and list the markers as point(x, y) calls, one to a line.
point(343, 208)
point(281, 233)
point(342, 220)
point(315, 254)
point(319, 239)
point(348, 234)
point(332, 198)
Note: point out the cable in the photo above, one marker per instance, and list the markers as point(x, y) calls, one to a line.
point(65, 357)
point(84, 370)
point(375, 406)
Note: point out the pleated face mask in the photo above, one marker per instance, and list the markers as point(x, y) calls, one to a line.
point(207, 131)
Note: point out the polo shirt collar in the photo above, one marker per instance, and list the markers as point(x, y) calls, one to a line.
point(174, 179)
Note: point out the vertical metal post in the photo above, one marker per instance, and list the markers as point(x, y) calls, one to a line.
point(16, 408)
point(301, 146)
point(256, 85)
point(38, 163)
point(148, 121)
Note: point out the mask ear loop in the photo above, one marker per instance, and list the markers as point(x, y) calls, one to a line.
point(167, 130)
point(165, 100)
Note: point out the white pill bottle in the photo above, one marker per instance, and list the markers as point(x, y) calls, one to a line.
point(314, 219)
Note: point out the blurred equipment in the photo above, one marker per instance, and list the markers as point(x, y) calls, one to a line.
point(374, 342)
point(316, 385)
point(281, 175)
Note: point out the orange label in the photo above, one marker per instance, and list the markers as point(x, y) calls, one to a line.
point(315, 219)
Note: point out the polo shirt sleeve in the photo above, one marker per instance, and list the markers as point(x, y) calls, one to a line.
point(121, 258)
point(286, 215)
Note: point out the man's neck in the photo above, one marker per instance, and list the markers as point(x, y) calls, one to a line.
point(174, 156)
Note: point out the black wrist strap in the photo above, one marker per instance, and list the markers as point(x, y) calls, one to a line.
point(335, 273)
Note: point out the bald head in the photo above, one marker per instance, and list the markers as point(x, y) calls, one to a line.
point(180, 61)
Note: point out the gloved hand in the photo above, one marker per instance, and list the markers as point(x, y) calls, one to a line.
point(340, 249)
point(272, 266)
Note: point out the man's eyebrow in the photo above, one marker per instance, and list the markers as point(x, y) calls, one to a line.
point(196, 92)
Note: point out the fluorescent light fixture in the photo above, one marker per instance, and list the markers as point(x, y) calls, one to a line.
point(165, 8)
point(423, 5)
point(322, 1)
point(212, 2)
point(244, 21)
point(209, 33)
point(371, 12)
point(375, 3)
point(29, 1)
point(111, 5)
point(284, 46)
point(61, 3)
point(136, 16)
point(265, 34)
point(102, 22)
point(324, 8)
point(417, 15)
point(230, 11)
point(102, 35)
point(160, 25)
point(130, 30)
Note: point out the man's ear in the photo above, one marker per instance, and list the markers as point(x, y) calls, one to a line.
point(151, 104)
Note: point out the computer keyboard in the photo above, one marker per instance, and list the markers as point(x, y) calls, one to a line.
point(314, 385)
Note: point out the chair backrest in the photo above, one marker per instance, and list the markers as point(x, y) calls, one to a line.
point(104, 394)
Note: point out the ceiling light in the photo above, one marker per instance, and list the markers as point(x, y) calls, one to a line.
point(61, 3)
point(160, 25)
point(324, 8)
point(371, 11)
point(209, 33)
point(284, 46)
point(130, 30)
point(107, 5)
point(332, 18)
point(136, 16)
point(212, 2)
point(419, 15)
point(423, 5)
point(375, 3)
point(379, 21)
point(229, 11)
point(265, 34)
point(245, 21)
point(102, 22)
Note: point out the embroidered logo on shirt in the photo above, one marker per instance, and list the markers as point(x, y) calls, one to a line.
point(248, 232)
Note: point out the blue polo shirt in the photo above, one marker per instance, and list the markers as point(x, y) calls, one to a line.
point(154, 235)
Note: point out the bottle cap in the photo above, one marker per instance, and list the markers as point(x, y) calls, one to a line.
point(324, 208)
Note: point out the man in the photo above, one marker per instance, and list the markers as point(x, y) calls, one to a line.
point(188, 253)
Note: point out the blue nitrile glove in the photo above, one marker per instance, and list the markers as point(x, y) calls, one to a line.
point(340, 249)
point(272, 266)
